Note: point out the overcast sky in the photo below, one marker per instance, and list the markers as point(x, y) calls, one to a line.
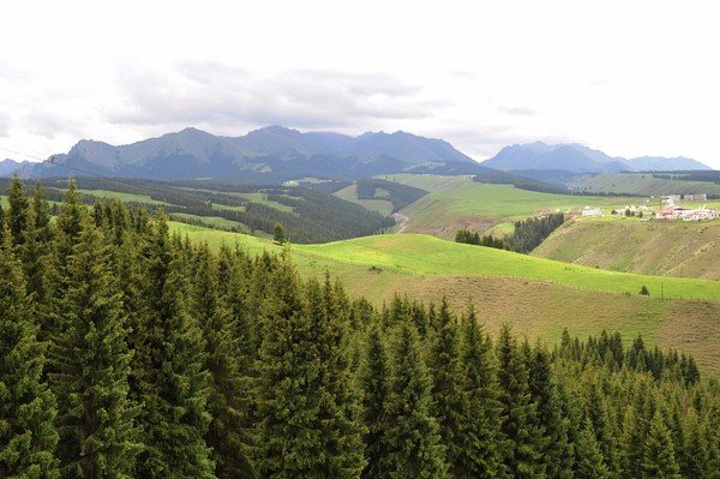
point(631, 78)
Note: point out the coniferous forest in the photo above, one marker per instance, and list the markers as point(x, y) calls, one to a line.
point(127, 352)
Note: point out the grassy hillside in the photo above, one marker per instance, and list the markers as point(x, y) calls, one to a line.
point(382, 206)
point(456, 202)
point(537, 296)
point(646, 247)
point(646, 184)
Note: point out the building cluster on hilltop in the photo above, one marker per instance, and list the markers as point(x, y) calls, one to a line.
point(672, 211)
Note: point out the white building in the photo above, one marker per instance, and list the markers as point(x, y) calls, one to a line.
point(587, 211)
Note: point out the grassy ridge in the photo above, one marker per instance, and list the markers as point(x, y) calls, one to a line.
point(457, 201)
point(646, 184)
point(384, 207)
point(426, 255)
point(124, 197)
point(538, 297)
point(423, 255)
point(655, 247)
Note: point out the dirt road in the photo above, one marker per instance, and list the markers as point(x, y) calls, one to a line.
point(402, 219)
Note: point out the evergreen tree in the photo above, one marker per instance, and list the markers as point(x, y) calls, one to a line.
point(660, 460)
point(602, 419)
point(413, 443)
point(374, 383)
point(69, 224)
point(42, 213)
point(448, 406)
point(95, 418)
point(27, 407)
point(557, 452)
point(308, 417)
point(225, 433)
point(33, 253)
point(279, 236)
point(17, 213)
point(695, 448)
point(590, 463)
point(480, 422)
point(174, 385)
point(522, 458)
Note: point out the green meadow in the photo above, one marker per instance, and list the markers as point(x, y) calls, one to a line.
point(124, 197)
point(384, 207)
point(538, 297)
point(646, 184)
point(457, 201)
point(424, 255)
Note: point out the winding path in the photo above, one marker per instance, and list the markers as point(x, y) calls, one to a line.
point(403, 220)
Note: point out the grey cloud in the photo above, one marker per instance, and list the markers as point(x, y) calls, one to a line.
point(214, 94)
point(49, 124)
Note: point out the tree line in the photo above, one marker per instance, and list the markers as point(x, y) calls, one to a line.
point(398, 194)
point(126, 351)
point(316, 216)
point(527, 236)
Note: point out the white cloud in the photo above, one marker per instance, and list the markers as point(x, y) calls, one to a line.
point(216, 94)
point(629, 78)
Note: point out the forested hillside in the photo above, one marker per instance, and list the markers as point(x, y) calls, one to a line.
point(127, 352)
point(308, 215)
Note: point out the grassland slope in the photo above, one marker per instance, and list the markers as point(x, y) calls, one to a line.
point(459, 202)
point(645, 184)
point(646, 247)
point(538, 297)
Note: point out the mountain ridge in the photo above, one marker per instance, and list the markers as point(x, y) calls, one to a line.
point(270, 154)
point(581, 159)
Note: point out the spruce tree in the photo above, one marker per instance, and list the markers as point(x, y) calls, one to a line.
point(414, 448)
point(33, 253)
point(659, 460)
point(589, 462)
point(603, 421)
point(173, 387)
point(225, 435)
point(632, 439)
point(557, 453)
point(374, 383)
point(522, 459)
point(95, 418)
point(695, 447)
point(309, 425)
point(27, 407)
point(69, 224)
point(279, 234)
point(448, 402)
point(480, 422)
point(17, 213)
point(42, 213)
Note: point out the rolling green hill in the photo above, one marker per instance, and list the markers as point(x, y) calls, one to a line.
point(459, 202)
point(645, 184)
point(538, 296)
point(646, 247)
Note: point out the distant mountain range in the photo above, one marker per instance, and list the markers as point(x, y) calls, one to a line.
point(581, 159)
point(267, 155)
point(275, 154)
